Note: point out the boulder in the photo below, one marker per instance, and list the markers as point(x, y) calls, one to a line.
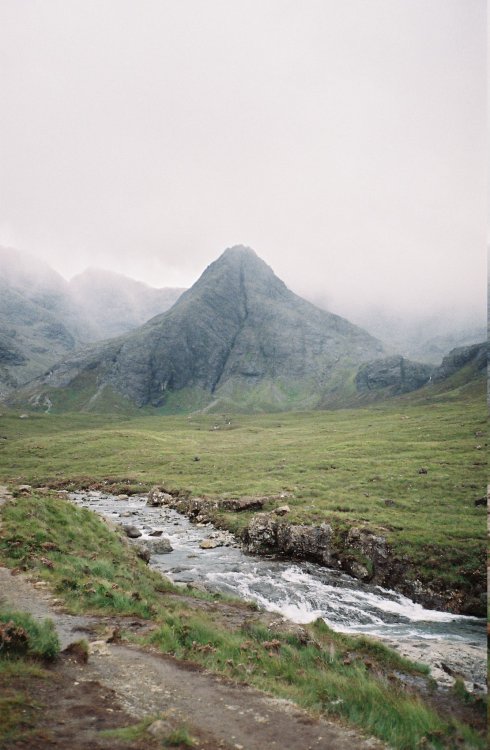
point(159, 546)
point(282, 510)
point(266, 533)
point(210, 543)
point(132, 531)
point(158, 497)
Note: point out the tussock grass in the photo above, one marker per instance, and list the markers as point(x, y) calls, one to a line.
point(37, 639)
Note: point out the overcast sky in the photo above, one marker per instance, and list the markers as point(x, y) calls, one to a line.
point(344, 140)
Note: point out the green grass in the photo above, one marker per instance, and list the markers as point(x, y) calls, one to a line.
point(340, 466)
point(21, 635)
point(354, 679)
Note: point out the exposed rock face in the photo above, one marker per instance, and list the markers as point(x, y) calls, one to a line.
point(238, 337)
point(475, 356)
point(266, 533)
point(395, 374)
point(358, 551)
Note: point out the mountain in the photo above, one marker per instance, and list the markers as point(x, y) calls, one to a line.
point(239, 338)
point(44, 318)
point(38, 323)
point(113, 304)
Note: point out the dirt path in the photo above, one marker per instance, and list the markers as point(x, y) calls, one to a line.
point(224, 714)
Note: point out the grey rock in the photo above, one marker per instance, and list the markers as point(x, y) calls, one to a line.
point(282, 510)
point(161, 546)
point(210, 543)
point(474, 358)
point(394, 374)
point(132, 532)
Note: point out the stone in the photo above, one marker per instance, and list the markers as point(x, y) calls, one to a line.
point(282, 510)
point(159, 546)
point(132, 532)
point(210, 543)
point(423, 470)
point(158, 497)
point(122, 497)
point(156, 532)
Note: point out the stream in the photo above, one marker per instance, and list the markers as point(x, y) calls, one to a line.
point(299, 591)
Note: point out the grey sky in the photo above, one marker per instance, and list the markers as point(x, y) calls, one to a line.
point(343, 140)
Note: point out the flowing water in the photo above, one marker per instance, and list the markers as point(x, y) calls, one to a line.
point(300, 591)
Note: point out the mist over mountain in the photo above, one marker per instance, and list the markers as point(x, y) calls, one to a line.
point(425, 331)
point(238, 338)
point(424, 338)
point(113, 304)
point(43, 317)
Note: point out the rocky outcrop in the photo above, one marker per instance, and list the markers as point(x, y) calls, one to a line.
point(393, 374)
point(358, 551)
point(475, 356)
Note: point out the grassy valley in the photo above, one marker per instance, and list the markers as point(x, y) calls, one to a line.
point(411, 471)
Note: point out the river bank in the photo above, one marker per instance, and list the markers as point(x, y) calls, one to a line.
point(202, 556)
point(357, 550)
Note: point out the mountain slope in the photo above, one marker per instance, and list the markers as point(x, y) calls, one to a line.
point(238, 338)
point(38, 323)
point(44, 318)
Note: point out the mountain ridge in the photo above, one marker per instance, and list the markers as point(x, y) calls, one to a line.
point(238, 335)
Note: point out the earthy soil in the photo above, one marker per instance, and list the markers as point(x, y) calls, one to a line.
point(121, 685)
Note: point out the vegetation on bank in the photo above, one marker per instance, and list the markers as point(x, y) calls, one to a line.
point(93, 569)
point(25, 646)
point(410, 471)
